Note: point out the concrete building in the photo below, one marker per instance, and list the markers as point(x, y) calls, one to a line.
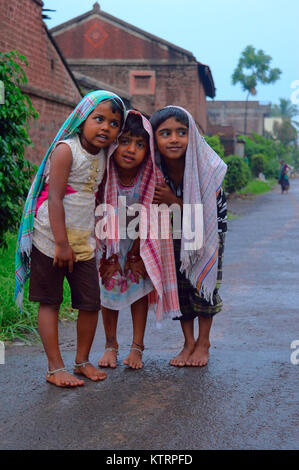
point(232, 113)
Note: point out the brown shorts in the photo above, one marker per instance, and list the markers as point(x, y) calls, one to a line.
point(46, 282)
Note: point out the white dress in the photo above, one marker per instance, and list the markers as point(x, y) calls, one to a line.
point(86, 173)
point(122, 290)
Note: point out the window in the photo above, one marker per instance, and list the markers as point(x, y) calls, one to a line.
point(142, 82)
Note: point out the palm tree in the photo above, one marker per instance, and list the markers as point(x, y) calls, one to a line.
point(286, 110)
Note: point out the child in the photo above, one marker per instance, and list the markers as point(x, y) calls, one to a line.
point(56, 237)
point(193, 175)
point(132, 269)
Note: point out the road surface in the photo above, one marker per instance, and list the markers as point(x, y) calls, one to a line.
point(246, 398)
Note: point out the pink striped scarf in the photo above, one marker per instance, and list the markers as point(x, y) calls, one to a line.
point(157, 254)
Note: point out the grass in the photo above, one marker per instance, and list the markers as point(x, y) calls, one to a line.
point(13, 323)
point(258, 187)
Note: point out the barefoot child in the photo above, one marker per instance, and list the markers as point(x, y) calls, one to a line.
point(132, 269)
point(193, 175)
point(56, 237)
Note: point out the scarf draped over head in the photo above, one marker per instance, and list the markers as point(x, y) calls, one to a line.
point(156, 252)
point(203, 176)
point(68, 129)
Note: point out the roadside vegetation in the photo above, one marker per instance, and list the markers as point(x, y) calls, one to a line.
point(13, 323)
point(15, 177)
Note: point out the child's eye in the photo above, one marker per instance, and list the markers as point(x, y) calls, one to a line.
point(182, 132)
point(141, 145)
point(164, 134)
point(99, 118)
point(124, 141)
point(114, 124)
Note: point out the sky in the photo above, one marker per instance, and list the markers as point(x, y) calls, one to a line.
point(216, 32)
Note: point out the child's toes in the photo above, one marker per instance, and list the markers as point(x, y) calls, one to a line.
point(100, 376)
point(91, 372)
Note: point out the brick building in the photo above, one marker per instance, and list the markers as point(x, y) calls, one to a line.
point(51, 86)
point(146, 70)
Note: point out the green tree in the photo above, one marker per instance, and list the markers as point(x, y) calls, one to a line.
point(286, 132)
point(214, 142)
point(237, 175)
point(285, 109)
point(15, 112)
point(253, 68)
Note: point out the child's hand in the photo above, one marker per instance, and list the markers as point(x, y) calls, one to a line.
point(164, 194)
point(108, 270)
point(137, 268)
point(64, 256)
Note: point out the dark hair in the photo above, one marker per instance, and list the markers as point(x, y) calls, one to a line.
point(165, 113)
point(134, 127)
point(116, 106)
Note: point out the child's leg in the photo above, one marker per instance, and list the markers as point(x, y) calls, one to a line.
point(48, 330)
point(86, 328)
point(200, 355)
point(109, 357)
point(188, 330)
point(139, 316)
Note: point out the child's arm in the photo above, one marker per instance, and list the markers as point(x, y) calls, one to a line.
point(164, 194)
point(221, 211)
point(61, 163)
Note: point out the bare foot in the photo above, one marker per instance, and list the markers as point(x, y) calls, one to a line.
point(181, 359)
point(200, 355)
point(90, 371)
point(109, 358)
point(134, 359)
point(64, 379)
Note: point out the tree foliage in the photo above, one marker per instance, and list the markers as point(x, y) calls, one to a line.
point(253, 68)
point(273, 152)
point(237, 175)
point(15, 113)
point(285, 109)
point(214, 142)
point(286, 131)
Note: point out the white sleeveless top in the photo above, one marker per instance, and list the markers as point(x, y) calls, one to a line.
point(86, 174)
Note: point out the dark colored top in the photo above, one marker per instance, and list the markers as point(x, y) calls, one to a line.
point(221, 199)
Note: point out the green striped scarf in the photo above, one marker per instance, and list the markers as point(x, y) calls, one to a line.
point(24, 243)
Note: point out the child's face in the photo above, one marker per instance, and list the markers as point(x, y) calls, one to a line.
point(131, 151)
point(100, 128)
point(172, 138)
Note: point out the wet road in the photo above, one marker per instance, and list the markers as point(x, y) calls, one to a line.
point(247, 396)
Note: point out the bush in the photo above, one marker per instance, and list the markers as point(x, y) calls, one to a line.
point(271, 168)
point(238, 174)
point(258, 164)
point(272, 150)
point(214, 142)
point(15, 171)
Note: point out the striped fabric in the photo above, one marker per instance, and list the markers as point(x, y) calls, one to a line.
point(204, 173)
point(157, 254)
point(24, 242)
